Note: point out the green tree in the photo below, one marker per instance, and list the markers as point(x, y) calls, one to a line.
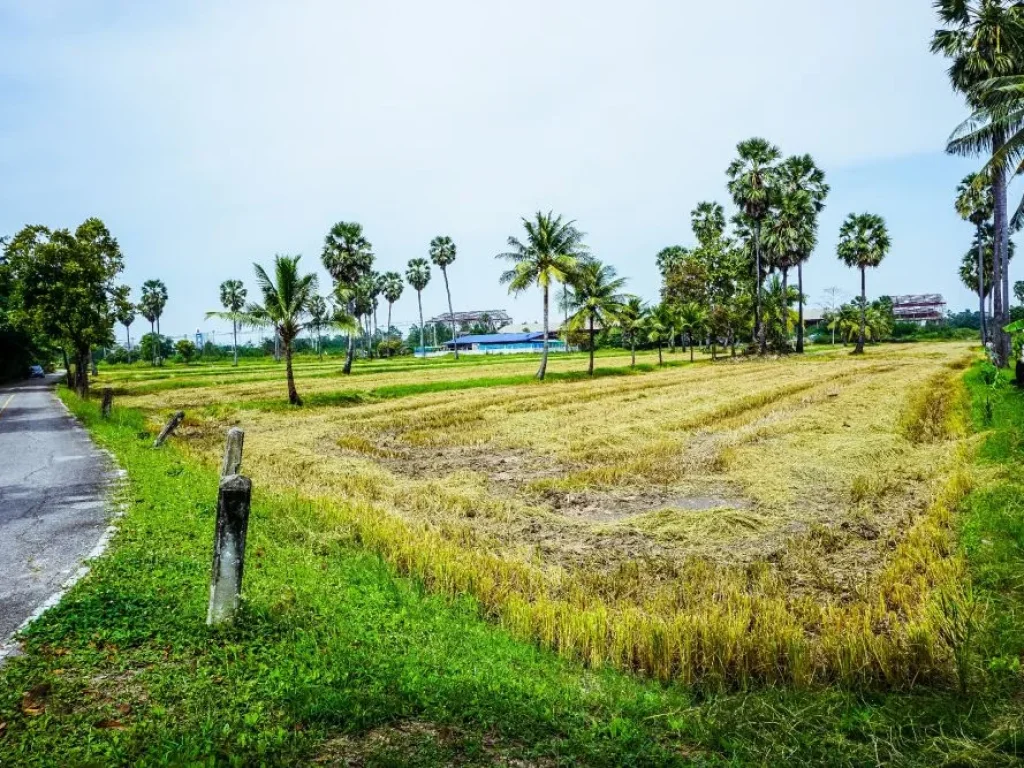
point(442, 253)
point(975, 203)
point(632, 318)
point(693, 320)
point(154, 296)
point(658, 325)
point(62, 288)
point(418, 275)
point(319, 317)
point(186, 350)
point(751, 184)
point(124, 313)
point(551, 253)
point(393, 288)
point(232, 298)
point(863, 242)
point(983, 40)
point(596, 299)
point(348, 258)
point(286, 300)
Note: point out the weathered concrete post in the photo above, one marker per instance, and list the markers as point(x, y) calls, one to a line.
point(108, 402)
point(229, 548)
point(233, 452)
point(171, 425)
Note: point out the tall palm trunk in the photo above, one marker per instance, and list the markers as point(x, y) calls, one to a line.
point(423, 343)
point(785, 306)
point(1002, 238)
point(350, 351)
point(544, 354)
point(632, 347)
point(387, 331)
point(981, 282)
point(660, 361)
point(590, 370)
point(759, 324)
point(234, 333)
point(293, 394)
point(451, 312)
point(859, 349)
point(366, 336)
point(689, 337)
point(128, 340)
point(155, 340)
point(800, 305)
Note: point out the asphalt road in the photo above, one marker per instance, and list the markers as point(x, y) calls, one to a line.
point(53, 507)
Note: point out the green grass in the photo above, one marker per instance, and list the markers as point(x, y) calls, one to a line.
point(336, 656)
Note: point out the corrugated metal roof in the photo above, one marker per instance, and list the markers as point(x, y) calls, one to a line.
point(499, 338)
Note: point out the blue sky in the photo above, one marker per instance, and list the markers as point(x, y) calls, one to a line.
point(211, 135)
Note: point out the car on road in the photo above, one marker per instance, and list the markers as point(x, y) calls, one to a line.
point(36, 372)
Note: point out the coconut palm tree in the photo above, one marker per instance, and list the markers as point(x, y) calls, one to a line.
point(752, 186)
point(319, 316)
point(982, 247)
point(659, 322)
point(863, 242)
point(348, 258)
point(551, 253)
point(693, 320)
point(596, 299)
point(442, 253)
point(286, 300)
point(418, 275)
point(232, 298)
point(975, 203)
point(631, 319)
point(124, 312)
point(392, 290)
point(983, 40)
point(797, 174)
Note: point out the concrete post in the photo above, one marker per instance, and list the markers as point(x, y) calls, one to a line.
point(108, 402)
point(172, 425)
point(233, 502)
point(233, 452)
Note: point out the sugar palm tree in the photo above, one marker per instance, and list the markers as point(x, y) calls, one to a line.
point(983, 40)
point(319, 317)
point(693, 320)
point(124, 312)
point(863, 242)
point(791, 235)
point(348, 258)
point(632, 318)
point(596, 299)
point(418, 275)
point(974, 203)
point(752, 186)
point(232, 298)
point(442, 253)
point(708, 221)
point(151, 306)
point(551, 253)
point(800, 174)
point(286, 300)
point(393, 287)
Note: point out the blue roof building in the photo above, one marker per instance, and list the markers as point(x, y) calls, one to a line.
point(505, 343)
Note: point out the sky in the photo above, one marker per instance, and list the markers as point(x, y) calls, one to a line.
point(211, 135)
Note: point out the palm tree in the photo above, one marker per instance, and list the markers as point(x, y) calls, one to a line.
point(154, 299)
point(286, 301)
point(348, 258)
point(974, 203)
point(980, 256)
point(596, 298)
point(632, 318)
point(693, 319)
point(442, 253)
point(751, 184)
point(319, 316)
point(232, 298)
point(708, 220)
point(984, 41)
point(800, 174)
point(124, 311)
point(863, 242)
point(418, 275)
point(393, 287)
point(552, 252)
point(658, 324)
point(790, 236)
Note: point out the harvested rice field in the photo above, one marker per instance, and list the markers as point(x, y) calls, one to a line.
point(780, 520)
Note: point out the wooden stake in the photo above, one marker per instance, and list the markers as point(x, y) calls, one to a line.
point(108, 402)
point(233, 501)
point(233, 453)
point(172, 425)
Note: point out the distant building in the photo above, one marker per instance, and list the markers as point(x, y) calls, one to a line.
point(813, 316)
point(504, 343)
point(919, 308)
point(489, 318)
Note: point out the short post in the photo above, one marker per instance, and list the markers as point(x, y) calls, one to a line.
point(169, 428)
point(233, 452)
point(108, 402)
point(233, 501)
